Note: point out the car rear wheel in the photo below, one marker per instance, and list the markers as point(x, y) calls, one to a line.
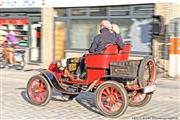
point(39, 90)
point(147, 72)
point(111, 99)
point(146, 77)
point(137, 99)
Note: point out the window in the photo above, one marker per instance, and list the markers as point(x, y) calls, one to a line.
point(138, 31)
point(124, 25)
point(101, 11)
point(143, 10)
point(119, 11)
point(82, 33)
point(78, 11)
point(17, 27)
point(83, 25)
point(60, 37)
point(61, 12)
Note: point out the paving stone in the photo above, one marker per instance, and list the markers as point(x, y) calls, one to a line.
point(165, 103)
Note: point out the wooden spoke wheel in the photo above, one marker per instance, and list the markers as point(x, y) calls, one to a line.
point(147, 72)
point(38, 90)
point(111, 99)
point(137, 99)
point(146, 77)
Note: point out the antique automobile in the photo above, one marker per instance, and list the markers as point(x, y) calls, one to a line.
point(117, 81)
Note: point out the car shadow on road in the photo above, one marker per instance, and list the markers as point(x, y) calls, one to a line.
point(55, 97)
point(87, 100)
point(24, 96)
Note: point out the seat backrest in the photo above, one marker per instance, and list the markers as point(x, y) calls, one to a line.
point(112, 53)
point(126, 49)
point(111, 49)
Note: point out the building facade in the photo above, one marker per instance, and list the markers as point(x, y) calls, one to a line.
point(25, 24)
point(56, 31)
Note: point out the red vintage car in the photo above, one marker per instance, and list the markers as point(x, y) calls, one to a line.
point(117, 81)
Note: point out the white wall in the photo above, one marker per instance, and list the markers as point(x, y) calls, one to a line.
point(79, 3)
point(73, 3)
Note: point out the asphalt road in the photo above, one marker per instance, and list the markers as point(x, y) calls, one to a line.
point(164, 105)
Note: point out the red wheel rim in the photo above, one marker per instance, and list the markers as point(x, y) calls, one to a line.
point(110, 99)
point(38, 91)
point(149, 73)
point(136, 97)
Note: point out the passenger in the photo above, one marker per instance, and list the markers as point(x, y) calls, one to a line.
point(116, 30)
point(99, 43)
point(103, 39)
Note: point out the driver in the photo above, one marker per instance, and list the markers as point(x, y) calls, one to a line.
point(105, 37)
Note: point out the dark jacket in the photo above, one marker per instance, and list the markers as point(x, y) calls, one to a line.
point(119, 40)
point(103, 39)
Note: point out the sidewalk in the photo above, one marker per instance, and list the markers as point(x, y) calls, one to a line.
point(161, 74)
point(31, 66)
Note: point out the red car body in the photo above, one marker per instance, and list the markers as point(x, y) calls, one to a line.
point(110, 74)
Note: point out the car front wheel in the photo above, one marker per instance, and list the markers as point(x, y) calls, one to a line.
point(39, 90)
point(111, 99)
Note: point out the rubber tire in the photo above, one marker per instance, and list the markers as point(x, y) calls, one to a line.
point(141, 70)
point(123, 93)
point(141, 82)
point(49, 88)
point(2, 64)
point(145, 101)
point(19, 67)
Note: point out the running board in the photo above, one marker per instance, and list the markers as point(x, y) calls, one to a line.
point(149, 89)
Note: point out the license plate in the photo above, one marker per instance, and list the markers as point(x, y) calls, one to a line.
point(149, 89)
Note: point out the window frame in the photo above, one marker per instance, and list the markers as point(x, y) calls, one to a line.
point(69, 18)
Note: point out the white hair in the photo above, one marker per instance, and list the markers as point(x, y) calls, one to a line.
point(106, 24)
point(115, 28)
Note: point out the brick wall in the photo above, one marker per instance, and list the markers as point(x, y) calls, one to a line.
point(47, 35)
point(169, 11)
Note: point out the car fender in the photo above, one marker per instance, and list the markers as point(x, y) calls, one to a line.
point(50, 77)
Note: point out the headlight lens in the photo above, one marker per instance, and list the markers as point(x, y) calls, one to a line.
point(59, 64)
point(64, 62)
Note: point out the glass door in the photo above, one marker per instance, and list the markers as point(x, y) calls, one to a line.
point(35, 43)
point(60, 37)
